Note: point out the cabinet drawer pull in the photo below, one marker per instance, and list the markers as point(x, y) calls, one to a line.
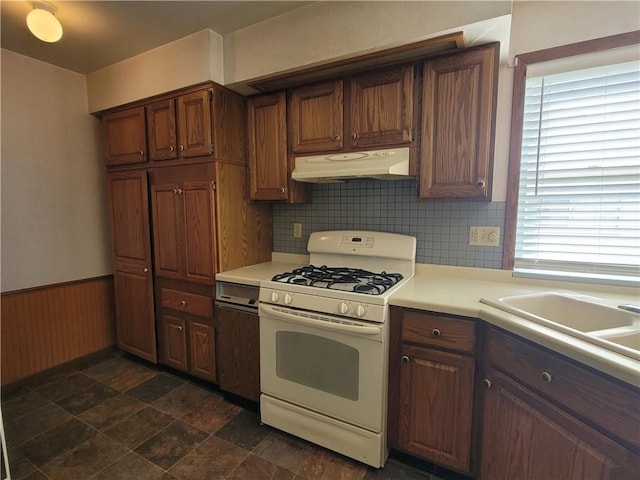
point(183, 303)
point(405, 359)
point(487, 383)
point(546, 377)
point(435, 332)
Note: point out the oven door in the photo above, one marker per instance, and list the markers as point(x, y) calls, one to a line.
point(333, 366)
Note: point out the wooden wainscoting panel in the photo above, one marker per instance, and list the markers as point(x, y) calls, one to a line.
point(47, 326)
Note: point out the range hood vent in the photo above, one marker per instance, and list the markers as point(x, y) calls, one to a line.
point(389, 164)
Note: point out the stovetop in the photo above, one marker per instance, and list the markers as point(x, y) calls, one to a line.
point(341, 278)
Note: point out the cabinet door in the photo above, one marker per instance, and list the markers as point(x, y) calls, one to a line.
point(239, 352)
point(135, 321)
point(316, 118)
point(166, 201)
point(174, 342)
point(436, 402)
point(524, 436)
point(458, 125)
point(268, 164)
point(129, 215)
point(194, 121)
point(198, 231)
point(125, 141)
point(161, 130)
point(382, 108)
point(202, 358)
point(131, 248)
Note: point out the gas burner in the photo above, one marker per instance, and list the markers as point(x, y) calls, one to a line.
point(341, 278)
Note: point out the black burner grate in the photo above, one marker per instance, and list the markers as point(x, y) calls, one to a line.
point(341, 278)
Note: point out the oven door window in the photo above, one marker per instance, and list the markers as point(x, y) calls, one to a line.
point(317, 362)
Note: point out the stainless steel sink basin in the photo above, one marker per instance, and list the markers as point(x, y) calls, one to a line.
point(585, 317)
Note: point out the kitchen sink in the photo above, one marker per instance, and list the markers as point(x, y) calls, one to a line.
point(586, 317)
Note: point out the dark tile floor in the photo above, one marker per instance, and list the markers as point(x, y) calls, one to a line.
point(114, 418)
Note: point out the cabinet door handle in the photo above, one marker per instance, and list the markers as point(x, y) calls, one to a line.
point(405, 359)
point(145, 270)
point(435, 332)
point(171, 148)
point(181, 148)
point(336, 138)
point(282, 189)
point(180, 328)
point(141, 153)
point(183, 303)
point(354, 136)
point(480, 184)
point(486, 382)
point(179, 191)
point(546, 377)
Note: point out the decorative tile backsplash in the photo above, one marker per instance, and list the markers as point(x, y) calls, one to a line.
point(441, 227)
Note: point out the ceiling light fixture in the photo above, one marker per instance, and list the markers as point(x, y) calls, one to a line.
point(43, 23)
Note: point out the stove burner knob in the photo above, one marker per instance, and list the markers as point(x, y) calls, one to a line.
point(344, 308)
point(360, 311)
point(275, 297)
point(287, 299)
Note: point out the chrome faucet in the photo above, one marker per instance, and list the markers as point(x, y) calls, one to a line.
point(630, 308)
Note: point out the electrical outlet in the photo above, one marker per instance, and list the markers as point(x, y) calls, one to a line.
point(486, 236)
point(297, 230)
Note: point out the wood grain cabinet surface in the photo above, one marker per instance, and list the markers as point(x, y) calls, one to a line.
point(238, 349)
point(546, 416)
point(377, 109)
point(180, 127)
point(269, 163)
point(131, 252)
point(125, 139)
point(459, 95)
point(431, 387)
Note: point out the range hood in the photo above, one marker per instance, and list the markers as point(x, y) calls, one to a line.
point(388, 164)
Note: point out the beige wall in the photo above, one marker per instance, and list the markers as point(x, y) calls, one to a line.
point(53, 207)
point(190, 60)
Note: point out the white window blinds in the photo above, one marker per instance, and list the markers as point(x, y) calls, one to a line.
point(579, 197)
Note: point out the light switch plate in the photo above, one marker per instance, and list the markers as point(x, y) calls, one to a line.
point(297, 230)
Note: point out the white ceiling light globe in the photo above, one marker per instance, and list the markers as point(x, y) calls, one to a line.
point(44, 25)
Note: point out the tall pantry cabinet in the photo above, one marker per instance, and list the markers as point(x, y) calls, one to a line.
point(180, 213)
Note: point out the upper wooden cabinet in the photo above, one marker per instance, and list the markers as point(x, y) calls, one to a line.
point(458, 124)
point(125, 140)
point(380, 112)
point(382, 107)
point(316, 118)
point(184, 235)
point(269, 166)
point(180, 127)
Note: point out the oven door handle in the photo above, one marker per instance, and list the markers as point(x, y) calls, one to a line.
point(327, 324)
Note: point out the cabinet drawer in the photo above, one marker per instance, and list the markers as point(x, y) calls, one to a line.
point(195, 304)
point(602, 401)
point(439, 331)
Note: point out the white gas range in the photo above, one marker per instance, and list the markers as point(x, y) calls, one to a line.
point(324, 341)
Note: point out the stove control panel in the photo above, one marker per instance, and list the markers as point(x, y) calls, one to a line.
point(360, 242)
point(327, 305)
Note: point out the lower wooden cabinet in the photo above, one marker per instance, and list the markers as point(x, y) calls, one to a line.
point(238, 349)
point(187, 338)
point(546, 416)
point(431, 387)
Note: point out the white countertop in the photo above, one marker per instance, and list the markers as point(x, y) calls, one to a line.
point(458, 290)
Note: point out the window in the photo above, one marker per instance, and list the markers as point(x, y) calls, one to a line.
point(577, 212)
